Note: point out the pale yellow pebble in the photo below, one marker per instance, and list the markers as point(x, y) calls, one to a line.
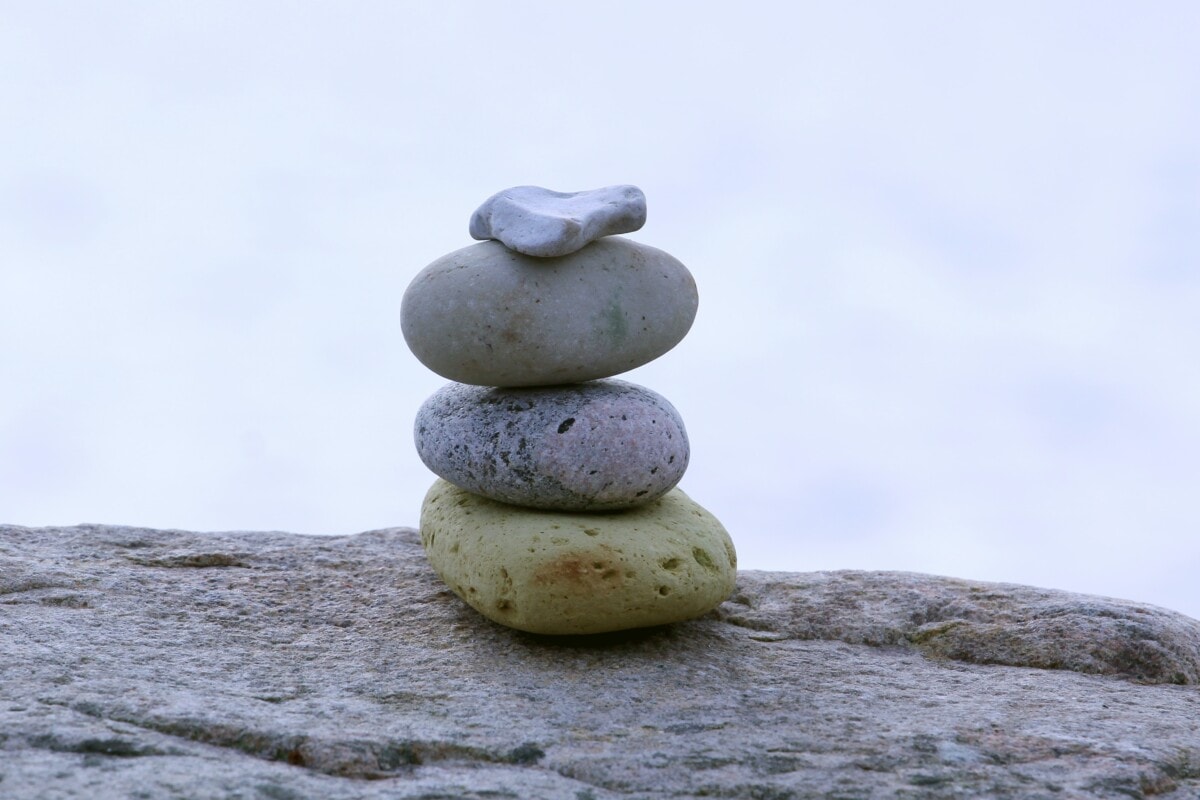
point(572, 573)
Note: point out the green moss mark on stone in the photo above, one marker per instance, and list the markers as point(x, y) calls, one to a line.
point(615, 325)
point(927, 633)
point(528, 753)
point(703, 559)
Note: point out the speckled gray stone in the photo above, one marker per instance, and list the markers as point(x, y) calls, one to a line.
point(540, 222)
point(270, 666)
point(489, 316)
point(594, 446)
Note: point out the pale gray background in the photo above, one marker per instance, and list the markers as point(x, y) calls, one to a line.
point(947, 257)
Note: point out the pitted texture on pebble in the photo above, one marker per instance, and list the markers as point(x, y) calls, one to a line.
point(543, 223)
point(561, 573)
point(595, 446)
point(491, 317)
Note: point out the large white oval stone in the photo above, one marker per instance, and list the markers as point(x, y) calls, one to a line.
point(490, 316)
point(562, 573)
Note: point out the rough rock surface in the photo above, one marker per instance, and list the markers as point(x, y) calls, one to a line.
point(569, 573)
point(595, 446)
point(544, 223)
point(165, 664)
point(488, 316)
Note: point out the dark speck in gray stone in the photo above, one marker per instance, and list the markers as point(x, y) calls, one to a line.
point(578, 447)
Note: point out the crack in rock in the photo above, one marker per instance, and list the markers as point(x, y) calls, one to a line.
point(108, 746)
point(347, 758)
point(192, 560)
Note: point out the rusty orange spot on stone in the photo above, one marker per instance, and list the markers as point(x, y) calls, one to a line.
point(572, 569)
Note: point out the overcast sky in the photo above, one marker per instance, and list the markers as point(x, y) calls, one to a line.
point(947, 257)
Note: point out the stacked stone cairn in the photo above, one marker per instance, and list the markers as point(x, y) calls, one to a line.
point(556, 510)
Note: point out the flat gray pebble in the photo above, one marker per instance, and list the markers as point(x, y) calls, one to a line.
point(544, 223)
point(595, 446)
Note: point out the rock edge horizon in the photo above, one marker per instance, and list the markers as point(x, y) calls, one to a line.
point(979, 622)
point(285, 665)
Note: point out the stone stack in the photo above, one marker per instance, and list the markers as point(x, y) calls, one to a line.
point(556, 509)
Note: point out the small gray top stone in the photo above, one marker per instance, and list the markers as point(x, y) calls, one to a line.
point(543, 223)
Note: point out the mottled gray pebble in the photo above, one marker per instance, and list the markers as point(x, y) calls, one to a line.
point(586, 447)
point(492, 317)
point(540, 222)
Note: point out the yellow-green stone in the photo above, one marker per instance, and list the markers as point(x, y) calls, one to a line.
point(572, 573)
